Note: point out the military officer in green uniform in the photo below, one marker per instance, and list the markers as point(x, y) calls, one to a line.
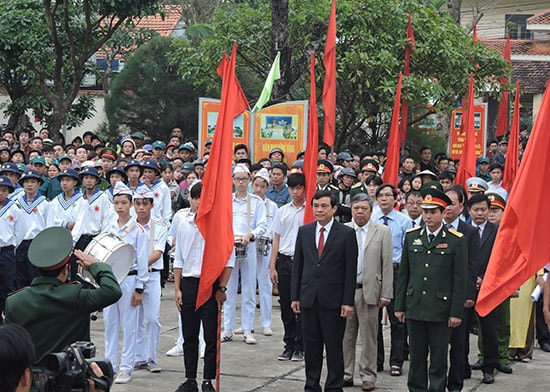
point(431, 290)
point(54, 313)
point(368, 167)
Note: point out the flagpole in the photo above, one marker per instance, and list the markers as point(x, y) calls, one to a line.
point(218, 348)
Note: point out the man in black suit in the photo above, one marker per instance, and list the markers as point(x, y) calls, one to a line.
point(459, 368)
point(323, 289)
point(478, 208)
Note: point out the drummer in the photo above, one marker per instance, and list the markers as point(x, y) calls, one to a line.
point(125, 312)
point(148, 332)
point(57, 314)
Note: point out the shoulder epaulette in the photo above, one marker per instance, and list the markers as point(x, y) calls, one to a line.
point(457, 233)
point(18, 291)
point(334, 188)
point(414, 229)
point(358, 185)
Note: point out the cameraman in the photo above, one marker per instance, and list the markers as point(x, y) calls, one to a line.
point(16, 359)
point(54, 313)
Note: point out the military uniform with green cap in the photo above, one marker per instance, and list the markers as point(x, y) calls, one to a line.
point(58, 314)
point(431, 290)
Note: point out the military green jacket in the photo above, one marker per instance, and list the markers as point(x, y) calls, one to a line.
point(432, 276)
point(58, 314)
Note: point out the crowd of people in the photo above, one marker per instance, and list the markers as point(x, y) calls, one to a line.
point(415, 253)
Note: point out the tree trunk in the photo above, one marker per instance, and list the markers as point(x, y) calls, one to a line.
point(279, 42)
point(453, 7)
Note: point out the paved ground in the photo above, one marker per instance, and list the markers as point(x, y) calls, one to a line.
point(255, 367)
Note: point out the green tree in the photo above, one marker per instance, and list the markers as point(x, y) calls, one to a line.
point(148, 95)
point(370, 53)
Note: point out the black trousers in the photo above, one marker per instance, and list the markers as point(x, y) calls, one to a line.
point(457, 358)
point(25, 271)
point(325, 328)
point(292, 322)
point(397, 334)
point(543, 335)
point(7, 276)
point(488, 330)
point(191, 319)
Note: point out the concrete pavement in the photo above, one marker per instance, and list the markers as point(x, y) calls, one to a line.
point(247, 368)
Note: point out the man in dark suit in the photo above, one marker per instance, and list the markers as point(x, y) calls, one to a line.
point(460, 348)
point(478, 208)
point(323, 290)
point(430, 292)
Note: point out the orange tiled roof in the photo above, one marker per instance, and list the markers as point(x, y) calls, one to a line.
point(533, 75)
point(540, 18)
point(166, 27)
point(520, 46)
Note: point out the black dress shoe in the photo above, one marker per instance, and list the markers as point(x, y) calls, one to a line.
point(379, 368)
point(504, 368)
point(476, 366)
point(545, 347)
point(488, 378)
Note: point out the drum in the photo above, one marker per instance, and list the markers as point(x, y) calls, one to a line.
point(240, 249)
point(111, 249)
point(263, 246)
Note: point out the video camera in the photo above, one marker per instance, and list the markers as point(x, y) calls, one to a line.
point(69, 370)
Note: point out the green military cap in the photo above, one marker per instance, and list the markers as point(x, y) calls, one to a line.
point(108, 153)
point(434, 198)
point(370, 165)
point(433, 184)
point(496, 200)
point(51, 248)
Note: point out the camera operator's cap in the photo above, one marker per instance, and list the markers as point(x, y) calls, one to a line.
point(51, 248)
point(122, 189)
point(38, 160)
point(324, 166)
point(476, 184)
point(187, 168)
point(344, 156)
point(496, 200)
point(262, 173)
point(240, 168)
point(347, 171)
point(370, 165)
point(9, 167)
point(434, 198)
point(151, 164)
point(69, 173)
point(138, 135)
point(118, 170)
point(108, 153)
point(65, 156)
point(276, 149)
point(481, 160)
point(143, 192)
point(159, 144)
point(433, 184)
point(30, 173)
point(5, 181)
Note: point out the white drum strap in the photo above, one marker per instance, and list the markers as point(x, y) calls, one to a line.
point(151, 240)
point(128, 229)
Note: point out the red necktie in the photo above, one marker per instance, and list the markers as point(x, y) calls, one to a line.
point(321, 242)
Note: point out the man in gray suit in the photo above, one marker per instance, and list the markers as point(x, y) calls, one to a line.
point(373, 290)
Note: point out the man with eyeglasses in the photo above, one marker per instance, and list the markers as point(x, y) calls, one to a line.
point(386, 196)
point(413, 203)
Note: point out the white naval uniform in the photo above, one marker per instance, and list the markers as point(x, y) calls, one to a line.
point(265, 286)
point(17, 192)
point(162, 207)
point(122, 313)
point(65, 211)
point(99, 213)
point(34, 214)
point(11, 229)
point(244, 221)
point(148, 332)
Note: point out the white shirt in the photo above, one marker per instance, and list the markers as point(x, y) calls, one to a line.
point(34, 214)
point(247, 220)
point(327, 228)
point(361, 234)
point(480, 228)
point(11, 229)
point(162, 207)
point(286, 223)
point(99, 213)
point(160, 232)
point(65, 211)
point(498, 189)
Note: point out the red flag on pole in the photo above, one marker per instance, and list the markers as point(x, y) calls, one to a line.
point(411, 44)
point(310, 158)
point(329, 87)
point(522, 247)
point(475, 33)
point(512, 156)
point(467, 166)
point(391, 170)
point(215, 214)
point(503, 107)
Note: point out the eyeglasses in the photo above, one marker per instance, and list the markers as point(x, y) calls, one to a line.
point(385, 195)
point(240, 179)
point(412, 203)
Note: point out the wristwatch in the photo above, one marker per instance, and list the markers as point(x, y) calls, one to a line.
point(139, 291)
point(223, 289)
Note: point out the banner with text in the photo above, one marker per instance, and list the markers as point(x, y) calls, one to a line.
point(457, 138)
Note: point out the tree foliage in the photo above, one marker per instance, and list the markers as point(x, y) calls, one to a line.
point(370, 52)
point(149, 96)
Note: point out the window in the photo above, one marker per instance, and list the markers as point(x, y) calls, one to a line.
point(516, 26)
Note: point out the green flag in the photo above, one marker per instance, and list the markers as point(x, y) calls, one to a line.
point(274, 74)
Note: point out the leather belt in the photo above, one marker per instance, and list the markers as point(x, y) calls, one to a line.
point(358, 286)
point(155, 270)
point(291, 258)
point(7, 248)
point(395, 266)
point(132, 273)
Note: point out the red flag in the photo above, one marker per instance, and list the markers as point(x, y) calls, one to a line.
point(512, 156)
point(329, 87)
point(391, 170)
point(215, 214)
point(522, 247)
point(503, 107)
point(467, 166)
point(411, 44)
point(310, 158)
point(475, 33)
